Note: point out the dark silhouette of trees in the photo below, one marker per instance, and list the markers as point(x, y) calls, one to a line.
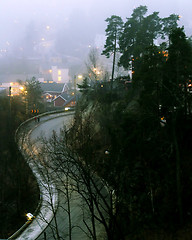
point(128, 152)
point(15, 176)
point(140, 32)
point(75, 177)
point(113, 33)
point(169, 24)
point(145, 129)
point(178, 72)
point(176, 96)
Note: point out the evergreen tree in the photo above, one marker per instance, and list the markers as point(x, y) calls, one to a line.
point(177, 72)
point(84, 87)
point(113, 32)
point(169, 24)
point(132, 39)
point(139, 34)
point(33, 94)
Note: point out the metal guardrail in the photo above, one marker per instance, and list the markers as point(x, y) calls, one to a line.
point(17, 133)
point(46, 114)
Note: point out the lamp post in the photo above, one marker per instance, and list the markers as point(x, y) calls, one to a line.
point(10, 108)
point(75, 82)
point(80, 77)
point(26, 103)
point(77, 78)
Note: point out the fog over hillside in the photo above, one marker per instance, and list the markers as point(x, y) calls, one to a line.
point(68, 28)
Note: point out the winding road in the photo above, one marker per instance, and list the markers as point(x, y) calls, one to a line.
point(58, 227)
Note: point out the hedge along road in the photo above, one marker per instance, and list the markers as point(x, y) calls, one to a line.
point(59, 226)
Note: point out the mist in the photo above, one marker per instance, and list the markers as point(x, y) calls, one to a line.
point(40, 29)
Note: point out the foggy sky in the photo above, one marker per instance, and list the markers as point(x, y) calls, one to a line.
point(80, 20)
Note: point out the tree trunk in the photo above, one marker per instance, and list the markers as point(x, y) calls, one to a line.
point(178, 171)
point(114, 56)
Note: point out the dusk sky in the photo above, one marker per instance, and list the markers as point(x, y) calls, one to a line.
point(83, 17)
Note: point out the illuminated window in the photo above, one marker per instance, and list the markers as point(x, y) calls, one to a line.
point(59, 72)
point(59, 79)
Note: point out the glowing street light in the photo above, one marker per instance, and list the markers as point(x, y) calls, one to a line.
point(107, 152)
point(30, 216)
point(22, 88)
point(80, 76)
point(163, 121)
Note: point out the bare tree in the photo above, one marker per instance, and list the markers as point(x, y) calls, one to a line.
point(95, 69)
point(79, 187)
point(77, 176)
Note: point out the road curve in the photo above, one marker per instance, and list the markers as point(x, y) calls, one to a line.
point(32, 230)
point(79, 230)
point(52, 212)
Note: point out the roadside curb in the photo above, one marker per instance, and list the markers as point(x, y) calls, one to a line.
point(44, 212)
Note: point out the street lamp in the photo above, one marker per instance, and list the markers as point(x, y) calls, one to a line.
point(80, 77)
point(26, 102)
point(30, 216)
point(22, 88)
point(163, 121)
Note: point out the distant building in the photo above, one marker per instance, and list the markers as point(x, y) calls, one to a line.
point(64, 100)
point(14, 87)
point(55, 60)
point(60, 75)
point(54, 74)
point(58, 94)
point(7, 78)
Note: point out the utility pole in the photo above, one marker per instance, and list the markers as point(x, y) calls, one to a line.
point(75, 87)
point(10, 108)
point(26, 103)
